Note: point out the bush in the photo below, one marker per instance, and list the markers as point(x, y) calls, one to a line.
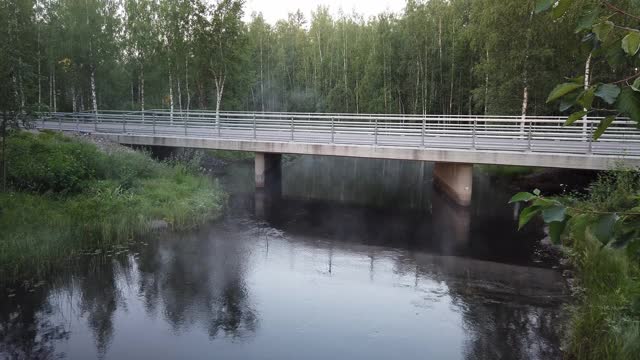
point(70, 197)
point(50, 162)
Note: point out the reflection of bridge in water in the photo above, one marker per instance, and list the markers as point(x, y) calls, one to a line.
point(454, 143)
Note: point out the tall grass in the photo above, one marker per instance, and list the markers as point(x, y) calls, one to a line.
point(605, 320)
point(68, 197)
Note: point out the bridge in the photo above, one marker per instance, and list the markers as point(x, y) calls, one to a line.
point(453, 142)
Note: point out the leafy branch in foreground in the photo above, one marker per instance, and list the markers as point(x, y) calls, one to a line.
point(618, 229)
point(612, 34)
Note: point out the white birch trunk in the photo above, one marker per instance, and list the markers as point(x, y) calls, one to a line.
point(74, 104)
point(587, 81)
point(170, 97)
point(94, 99)
point(219, 92)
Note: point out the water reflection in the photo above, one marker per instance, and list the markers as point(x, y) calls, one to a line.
point(286, 276)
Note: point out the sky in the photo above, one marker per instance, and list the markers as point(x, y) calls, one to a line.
point(274, 10)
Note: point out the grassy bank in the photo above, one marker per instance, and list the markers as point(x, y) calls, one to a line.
point(67, 196)
point(605, 319)
point(600, 231)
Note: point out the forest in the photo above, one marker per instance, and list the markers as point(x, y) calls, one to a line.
point(436, 57)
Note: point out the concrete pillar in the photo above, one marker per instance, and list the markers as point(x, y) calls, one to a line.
point(267, 169)
point(455, 180)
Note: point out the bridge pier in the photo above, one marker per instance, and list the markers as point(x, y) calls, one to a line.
point(455, 180)
point(267, 170)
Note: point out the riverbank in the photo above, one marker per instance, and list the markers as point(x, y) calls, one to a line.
point(605, 319)
point(599, 231)
point(68, 196)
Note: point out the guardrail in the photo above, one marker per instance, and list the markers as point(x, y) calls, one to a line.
point(497, 133)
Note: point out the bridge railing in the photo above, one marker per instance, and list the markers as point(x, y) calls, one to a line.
point(496, 133)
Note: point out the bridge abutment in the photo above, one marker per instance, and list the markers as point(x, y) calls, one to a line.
point(267, 170)
point(455, 180)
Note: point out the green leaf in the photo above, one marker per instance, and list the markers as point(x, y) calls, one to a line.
point(587, 19)
point(603, 29)
point(522, 196)
point(554, 213)
point(629, 104)
point(575, 117)
point(608, 92)
point(631, 43)
point(586, 97)
point(603, 228)
point(556, 229)
point(536, 192)
point(603, 126)
point(543, 5)
point(636, 85)
point(561, 8)
point(567, 101)
point(562, 90)
point(526, 215)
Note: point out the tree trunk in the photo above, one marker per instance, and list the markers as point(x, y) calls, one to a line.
point(4, 151)
point(486, 86)
point(170, 97)
point(453, 65)
point(525, 77)
point(39, 71)
point(94, 99)
point(179, 95)
point(186, 82)
point(587, 81)
point(141, 90)
point(74, 105)
point(219, 91)
point(55, 95)
point(261, 77)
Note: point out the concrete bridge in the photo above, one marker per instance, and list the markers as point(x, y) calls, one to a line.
point(454, 143)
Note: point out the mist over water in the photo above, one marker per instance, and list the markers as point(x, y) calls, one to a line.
point(347, 259)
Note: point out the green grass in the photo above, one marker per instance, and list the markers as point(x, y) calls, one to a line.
point(67, 197)
point(605, 319)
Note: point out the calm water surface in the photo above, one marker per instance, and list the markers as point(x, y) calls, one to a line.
point(351, 259)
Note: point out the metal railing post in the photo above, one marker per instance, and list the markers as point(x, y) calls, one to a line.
point(473, 134)
point(590, 151)
point(375, 132)
point(77, 123)
point(255, 132)
point(124, 125)
point(95, 122)
point(219, 122)
point(530, 135)
point(59, 124)
point(153, 118)
point(333, 136)
point(292, 128)
point(424, 125)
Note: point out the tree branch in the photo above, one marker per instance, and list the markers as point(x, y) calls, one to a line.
point(619, 11)
point(627, 79)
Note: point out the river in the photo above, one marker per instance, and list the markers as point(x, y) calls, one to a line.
point(349, 259)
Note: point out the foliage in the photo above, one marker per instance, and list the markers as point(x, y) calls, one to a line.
point(602, 234)
point(437, 57)
point(612, 211)
point(611, 31)
point(92, 200)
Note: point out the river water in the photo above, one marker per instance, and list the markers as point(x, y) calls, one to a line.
point(349, 259)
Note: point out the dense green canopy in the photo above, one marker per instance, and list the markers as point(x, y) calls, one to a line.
point(436, 57)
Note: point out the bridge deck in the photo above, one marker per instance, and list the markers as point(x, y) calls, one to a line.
point(538, 141)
